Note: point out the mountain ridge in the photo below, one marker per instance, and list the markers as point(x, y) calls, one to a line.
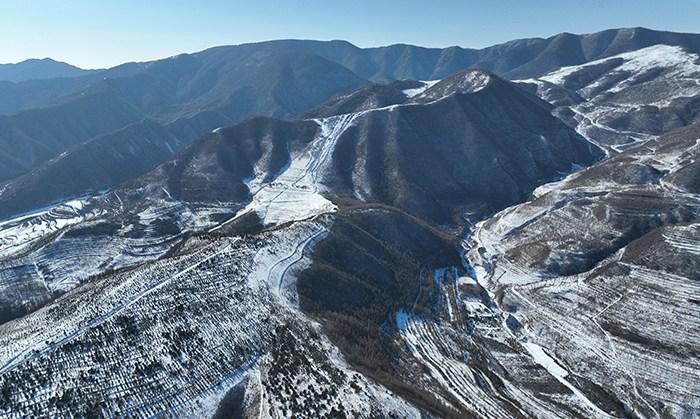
point(40, 68)
point(286, 78)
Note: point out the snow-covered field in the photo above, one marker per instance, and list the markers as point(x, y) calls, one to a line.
point(295, 194)
point(18, 234)
point(478, 364)
point(418, 90)
point(681, 67)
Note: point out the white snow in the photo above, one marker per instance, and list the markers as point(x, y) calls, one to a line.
point(679, 77)
point(465, 280)
point(652, 76)
point(671, 57)
point(295, 194)
point(539, 355)
point(274, 264)
point(427, 84)
point(430, 344)
point(18, 233)
point(558, 372)
point(682, 242)
point(475, 81)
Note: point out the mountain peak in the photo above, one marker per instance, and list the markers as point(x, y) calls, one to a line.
point(39, 68)
point(463, 82)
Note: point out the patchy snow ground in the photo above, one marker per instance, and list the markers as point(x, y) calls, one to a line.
point(553, 367)
point(209, 315)
point(678, 63)
point(622, 322)
point(474, 81)
point(633, 86)
point(295, 194)
point(17, 234)
point(190, 361)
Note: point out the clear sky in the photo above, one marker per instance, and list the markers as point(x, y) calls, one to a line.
point(100, 33)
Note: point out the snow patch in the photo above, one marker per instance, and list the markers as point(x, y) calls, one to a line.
point(474, 81)
point(558, 372)
point(402, 319)
point(18, 233)
point(418, 90)
point(541, 357)
point(295, 194)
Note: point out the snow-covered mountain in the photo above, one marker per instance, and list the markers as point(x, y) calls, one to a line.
point(457, 247)
point(286, 180)
point(627, 98)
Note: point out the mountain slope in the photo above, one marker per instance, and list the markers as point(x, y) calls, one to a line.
point(277, 171)
point(482, 147)
point(34, 136)
point(332, 264)
point(218, 166)
point(628, 97)
point(234, 84)
point(96, 165)
point(516, 59)
point(287, 78)
point(601, 270)
point(522, 58)
point(428, 158)
point(224, 229)
point(530, 58)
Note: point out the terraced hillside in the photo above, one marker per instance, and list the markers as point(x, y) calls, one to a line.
point(626, 98)
point(601, 269)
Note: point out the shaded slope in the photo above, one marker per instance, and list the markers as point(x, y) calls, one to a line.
point(189, 76)
point(235, 83)
point(94, 166)
point(370, 97)
point(476, 150)
point(483, 150)
point(32, 137)
point(104, 162)
point(373, 263)
point(216, 166)
point(522, 58)
point(287, 78)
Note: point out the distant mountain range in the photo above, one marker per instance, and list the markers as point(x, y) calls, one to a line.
point(35, 69)
point(277, 78)
point(191, 94)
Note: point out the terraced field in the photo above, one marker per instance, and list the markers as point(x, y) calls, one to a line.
point(619, 307)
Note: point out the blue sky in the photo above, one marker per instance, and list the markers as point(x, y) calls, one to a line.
point(99, 33)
